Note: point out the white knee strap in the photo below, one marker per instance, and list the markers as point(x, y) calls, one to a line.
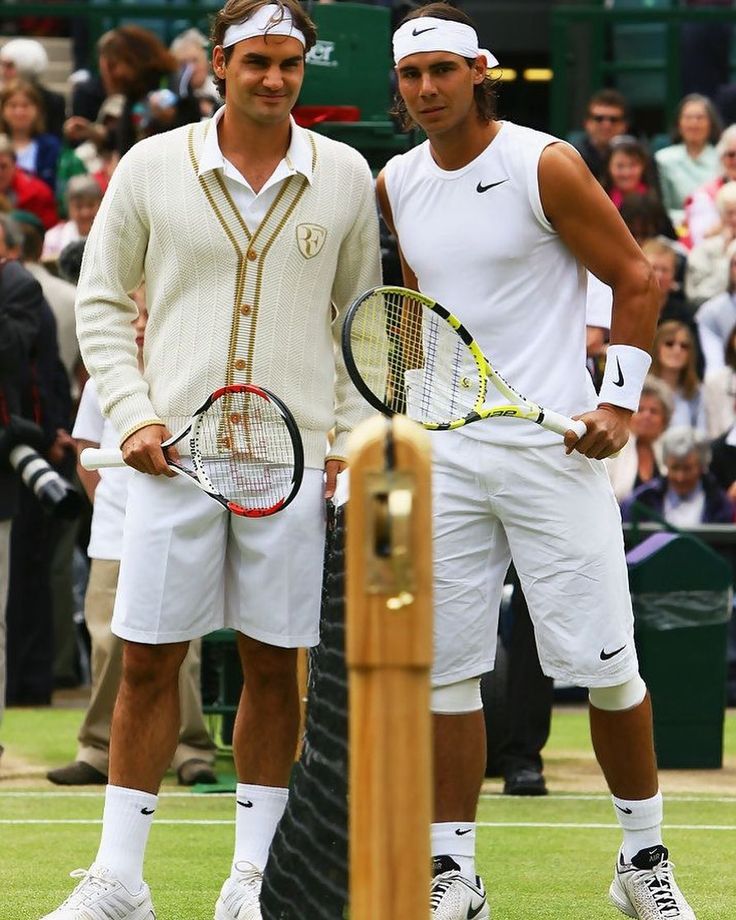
point(454, 699)
point(616, 699)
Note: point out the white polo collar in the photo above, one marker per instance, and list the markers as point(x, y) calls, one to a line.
point(298, 157)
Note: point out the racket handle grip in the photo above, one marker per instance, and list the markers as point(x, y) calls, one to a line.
point(561, 423)
point(95, 458)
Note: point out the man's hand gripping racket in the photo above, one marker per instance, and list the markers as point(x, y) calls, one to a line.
point(242, 447)
point(407, 354)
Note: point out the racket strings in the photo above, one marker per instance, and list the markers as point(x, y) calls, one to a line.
point(412, 360)
point(245, 450)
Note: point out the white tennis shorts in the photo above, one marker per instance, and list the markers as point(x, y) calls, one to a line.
point(557, 517)
point(189, 567)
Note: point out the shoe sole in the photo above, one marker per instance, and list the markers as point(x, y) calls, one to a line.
point(222, 913)
point(618, 897)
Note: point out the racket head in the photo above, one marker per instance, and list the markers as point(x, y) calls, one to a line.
point(407, 354)
point(246, 450)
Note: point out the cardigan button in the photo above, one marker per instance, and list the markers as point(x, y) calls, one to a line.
point(245, 309)
point(239, 364)
point(252, 255)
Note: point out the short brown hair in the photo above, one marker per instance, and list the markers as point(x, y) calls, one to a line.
point(236, 11)
point(485, 92)
point(30, 91)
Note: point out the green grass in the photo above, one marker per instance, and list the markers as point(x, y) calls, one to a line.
point(532, 872)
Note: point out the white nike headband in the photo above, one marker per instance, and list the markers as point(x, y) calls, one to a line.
point(430, 34)
point(271, 19)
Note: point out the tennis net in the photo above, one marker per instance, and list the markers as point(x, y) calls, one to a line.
point(307, 870)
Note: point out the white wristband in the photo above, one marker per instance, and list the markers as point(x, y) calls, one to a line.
point(623, 378)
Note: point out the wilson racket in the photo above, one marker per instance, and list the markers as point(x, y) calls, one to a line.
point(242, 447)
point(407, 354)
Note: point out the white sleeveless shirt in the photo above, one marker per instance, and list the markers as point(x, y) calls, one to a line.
point(480, 244)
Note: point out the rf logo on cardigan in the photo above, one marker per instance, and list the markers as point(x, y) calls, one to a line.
point(310, 239)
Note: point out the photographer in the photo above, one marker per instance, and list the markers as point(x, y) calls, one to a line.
point(20, 319)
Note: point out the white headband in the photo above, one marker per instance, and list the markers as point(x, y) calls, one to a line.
point(271, 19)
point(429, 34)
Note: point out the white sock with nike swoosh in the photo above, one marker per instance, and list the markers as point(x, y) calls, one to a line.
point(458, 841)
point(641, 821)
point(126, 822)
point(258, 809)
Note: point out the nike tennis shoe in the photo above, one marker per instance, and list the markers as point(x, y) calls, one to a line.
point(646, 888)
point(240, 897)
point(453, 897)
point(100, 896)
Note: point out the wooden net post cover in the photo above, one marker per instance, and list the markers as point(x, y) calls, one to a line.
point(389, 656)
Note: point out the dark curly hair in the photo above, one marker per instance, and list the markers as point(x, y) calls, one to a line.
point(486, 97)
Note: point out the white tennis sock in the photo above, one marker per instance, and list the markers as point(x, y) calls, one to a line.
point(126, 821)
point(641, 822)
point(258, 809)
point(458, 842)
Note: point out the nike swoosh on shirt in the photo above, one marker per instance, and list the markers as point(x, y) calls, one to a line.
point(606, 655)
point(484, 188)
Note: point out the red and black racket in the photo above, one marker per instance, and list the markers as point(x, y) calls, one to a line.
point(242, 447)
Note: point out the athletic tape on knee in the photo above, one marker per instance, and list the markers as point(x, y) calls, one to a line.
point(454, 699)
point(616, 699)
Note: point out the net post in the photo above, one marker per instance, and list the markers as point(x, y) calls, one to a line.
point(389, 655)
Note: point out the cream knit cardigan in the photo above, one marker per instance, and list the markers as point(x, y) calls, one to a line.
point(226, 306)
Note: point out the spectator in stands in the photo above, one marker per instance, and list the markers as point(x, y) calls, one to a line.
point(705, 50)
point(640, 460)
point(707, 273)
point(673, 360)
point(107, 490)
point(190, 50)
point(20, 306)
point(692, 160)
point(646, 218)
point(27, 58)
point(22, 120)
point(59, 294)
point(719, 391)
point(135, 64)
point(716, 317)
point(628, 169)
point(606, 117)
point(83, 194)
point(23, 191)
point(701, 213)
point(688, 494)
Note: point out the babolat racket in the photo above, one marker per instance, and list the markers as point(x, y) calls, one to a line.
point(407, 354)
point(242, 447)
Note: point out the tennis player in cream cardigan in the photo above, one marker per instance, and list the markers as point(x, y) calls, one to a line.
point(253, 236)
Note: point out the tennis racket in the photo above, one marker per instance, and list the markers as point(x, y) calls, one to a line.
point(242, 447)
point(407, 354)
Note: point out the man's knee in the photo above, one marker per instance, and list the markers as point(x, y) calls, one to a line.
point(152, 665)
point(457, 699)
point(267, 666)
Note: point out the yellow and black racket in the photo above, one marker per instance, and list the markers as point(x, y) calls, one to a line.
point(407, 354)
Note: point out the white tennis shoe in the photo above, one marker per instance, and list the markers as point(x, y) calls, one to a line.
point(240, 897)
point(646, 888)
point(100, 896)
point(453, 897)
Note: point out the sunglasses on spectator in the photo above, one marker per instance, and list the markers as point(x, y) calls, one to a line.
point(601, 118)
point(671, 343)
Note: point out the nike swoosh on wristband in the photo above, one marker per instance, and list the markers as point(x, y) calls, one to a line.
point(463, 832)
point(480, 188)
point(416, 32)
point(606, 655)
point(147, 811)
point(620, 381)
point(244, 804)
point(626, 811)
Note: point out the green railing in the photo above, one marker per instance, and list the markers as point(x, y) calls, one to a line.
point(589, 29)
